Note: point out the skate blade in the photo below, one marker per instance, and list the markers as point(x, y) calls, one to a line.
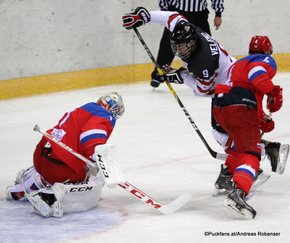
point(262, 178)
point(283, 156)
point(220, 193)
point(244, 212)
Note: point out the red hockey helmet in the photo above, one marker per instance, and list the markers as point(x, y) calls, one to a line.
point(260, 44)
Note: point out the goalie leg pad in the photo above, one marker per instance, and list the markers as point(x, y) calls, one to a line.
point(26, 181)
point(81, 196)
point(47, 201)
point(66, 198)
point(39, 204)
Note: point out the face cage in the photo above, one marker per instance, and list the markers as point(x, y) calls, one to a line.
point(183, 50)
point(117, 110)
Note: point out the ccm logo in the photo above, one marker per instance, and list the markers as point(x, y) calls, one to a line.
point(102, 166)
point(141, 195)
point(81, 189)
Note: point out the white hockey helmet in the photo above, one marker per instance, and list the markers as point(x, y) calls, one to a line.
point(113, 102)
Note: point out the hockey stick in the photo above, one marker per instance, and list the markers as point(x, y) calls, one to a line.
point(165, 209)
point(213, 153)
point(111, 174)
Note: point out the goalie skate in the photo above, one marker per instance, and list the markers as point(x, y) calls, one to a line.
point(236, 201)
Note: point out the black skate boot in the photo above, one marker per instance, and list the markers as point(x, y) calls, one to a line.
point(236, 201)
point(277, 154)
point(272, 152)
point(260, 179)
point(224, 183)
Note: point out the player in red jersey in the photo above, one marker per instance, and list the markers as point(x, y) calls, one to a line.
point(83, 130)
point(238, 110)
point(207, 65)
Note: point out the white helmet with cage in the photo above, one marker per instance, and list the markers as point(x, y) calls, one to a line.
point(113, 102)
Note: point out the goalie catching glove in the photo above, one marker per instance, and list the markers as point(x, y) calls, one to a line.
point(135, 19)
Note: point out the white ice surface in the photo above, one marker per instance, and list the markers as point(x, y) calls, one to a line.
point(161, 154)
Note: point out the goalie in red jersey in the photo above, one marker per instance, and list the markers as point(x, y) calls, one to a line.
point(56, 172)
point(239, 111)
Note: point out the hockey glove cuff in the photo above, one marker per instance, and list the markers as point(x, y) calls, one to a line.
point(267, 124)
point(174, 76)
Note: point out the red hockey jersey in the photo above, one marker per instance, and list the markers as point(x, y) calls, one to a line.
point(254, 72)
point(82, 129)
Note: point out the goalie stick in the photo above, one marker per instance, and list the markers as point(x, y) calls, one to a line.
point(213, 153)
point(165, 209)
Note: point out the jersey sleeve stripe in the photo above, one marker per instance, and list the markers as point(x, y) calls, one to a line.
point(255, 72)
point(91, 134)
point(203, 90)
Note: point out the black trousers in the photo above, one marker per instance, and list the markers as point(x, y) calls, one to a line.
point(165, 54)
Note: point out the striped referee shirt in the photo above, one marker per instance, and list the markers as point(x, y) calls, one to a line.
point(193, 5)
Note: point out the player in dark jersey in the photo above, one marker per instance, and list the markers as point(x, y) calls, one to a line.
point(206, 61)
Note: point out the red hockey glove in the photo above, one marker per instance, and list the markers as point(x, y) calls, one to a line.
point(275, 99)
point(133, 20)
point(267, 124)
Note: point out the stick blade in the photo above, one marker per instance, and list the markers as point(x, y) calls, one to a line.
point(176, 204)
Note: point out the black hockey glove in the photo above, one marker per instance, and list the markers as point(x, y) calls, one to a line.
point(156, 79)
point(135, 19)
point(174, 76)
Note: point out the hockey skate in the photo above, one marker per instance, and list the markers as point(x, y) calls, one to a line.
point(277, 153)
point(261, 178)
point(224, 183)
point(236, 201)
